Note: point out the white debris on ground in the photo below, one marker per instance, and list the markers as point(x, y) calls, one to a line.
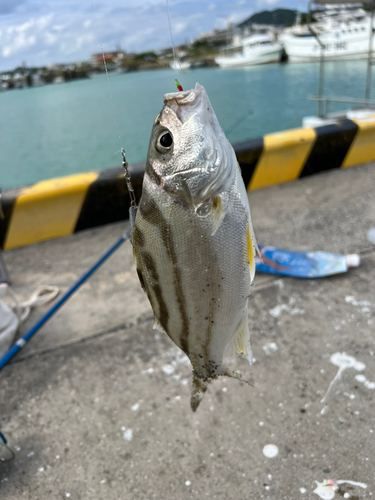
point(270, 451)
point(325, 410)
point(361, 378)
point(371, 235)
point(349, 299)
point(343, 361)
point(325, 490)
point(127, 433)
point(289, 308)
point(136, 406)
point(270, 348)
point(168, 369)
point(328, 488)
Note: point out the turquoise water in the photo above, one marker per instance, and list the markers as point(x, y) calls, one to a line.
point(63, 129)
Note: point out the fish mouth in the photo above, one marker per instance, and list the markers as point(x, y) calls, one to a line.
point(183, 103)
point(184, 97)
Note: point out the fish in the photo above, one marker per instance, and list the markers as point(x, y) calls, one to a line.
point(193, 241)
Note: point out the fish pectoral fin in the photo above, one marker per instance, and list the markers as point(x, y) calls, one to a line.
point(157, 326)
point(218, 211)
point(240, 342)
point(197, 392)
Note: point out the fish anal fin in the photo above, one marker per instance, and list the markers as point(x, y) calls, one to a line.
point(157, 326)
point(240, 342)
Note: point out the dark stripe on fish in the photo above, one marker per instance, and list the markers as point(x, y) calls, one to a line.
point(206, 346)
point(149, 264)
point(151, 213)
point(138, 237)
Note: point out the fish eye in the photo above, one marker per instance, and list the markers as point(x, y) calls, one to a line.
point(164, 141)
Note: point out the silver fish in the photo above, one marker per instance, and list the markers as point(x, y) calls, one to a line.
point(194, 244)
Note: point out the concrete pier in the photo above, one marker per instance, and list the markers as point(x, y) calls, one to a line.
point(96, 406)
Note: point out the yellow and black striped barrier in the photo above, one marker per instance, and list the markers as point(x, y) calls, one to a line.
point(289, 155)
point(63, 206)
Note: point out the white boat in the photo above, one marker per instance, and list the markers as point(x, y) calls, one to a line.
point(344, 34)
point(59, 79)
point(255, 49)
point(180, 65)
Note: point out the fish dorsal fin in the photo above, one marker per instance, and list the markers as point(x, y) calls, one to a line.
point(240, 342)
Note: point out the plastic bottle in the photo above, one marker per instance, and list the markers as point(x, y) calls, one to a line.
point(304, 264)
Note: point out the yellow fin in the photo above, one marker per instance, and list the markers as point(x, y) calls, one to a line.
point(240, 342)
point(251, 252)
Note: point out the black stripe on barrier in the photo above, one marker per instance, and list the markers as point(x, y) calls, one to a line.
point(8, 200)
point(248, 154)
point(330, 148)
point(107, 199)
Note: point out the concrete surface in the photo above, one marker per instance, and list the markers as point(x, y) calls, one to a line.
point(97, 404)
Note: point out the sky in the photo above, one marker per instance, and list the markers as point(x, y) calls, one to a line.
point(42, 32)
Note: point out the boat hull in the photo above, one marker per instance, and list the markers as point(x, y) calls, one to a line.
point(241, 61)
point(339, 45)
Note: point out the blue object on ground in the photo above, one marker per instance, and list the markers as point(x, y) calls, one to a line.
point(22, 341)
point(303, 264)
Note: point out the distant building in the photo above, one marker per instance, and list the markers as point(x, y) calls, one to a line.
point(217, 37)
point(181, 51)
point(117, 57)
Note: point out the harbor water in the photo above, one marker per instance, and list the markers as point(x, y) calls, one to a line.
point(58, 130)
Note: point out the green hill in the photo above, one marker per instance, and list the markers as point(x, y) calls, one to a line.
point(277, 17)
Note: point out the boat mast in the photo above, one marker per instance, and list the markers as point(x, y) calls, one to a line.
point(321, 64)
point(369, 60)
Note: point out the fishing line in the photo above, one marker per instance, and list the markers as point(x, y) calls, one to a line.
point(170, 32)
point(100, 41)
point(237, 123)
point(103, 56)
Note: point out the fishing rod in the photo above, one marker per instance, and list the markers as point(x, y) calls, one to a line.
point(38, 325)
point(127, 235)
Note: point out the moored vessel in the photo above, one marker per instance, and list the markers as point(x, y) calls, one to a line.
point(344, 34)
point(255, 49)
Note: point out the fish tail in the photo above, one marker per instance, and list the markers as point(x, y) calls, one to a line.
point(198, 390)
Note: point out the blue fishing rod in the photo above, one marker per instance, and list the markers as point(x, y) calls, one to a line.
point(38, 325)
point(127, 235)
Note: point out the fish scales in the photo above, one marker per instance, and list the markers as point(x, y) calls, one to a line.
point(193, 240)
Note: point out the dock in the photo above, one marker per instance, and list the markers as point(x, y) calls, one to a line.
point(97, 404)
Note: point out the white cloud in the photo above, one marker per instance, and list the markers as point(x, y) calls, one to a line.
point(48, 31)
point(23, 36)
point(50, 38)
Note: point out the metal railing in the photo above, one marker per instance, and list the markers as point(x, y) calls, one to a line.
point(325, 102)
